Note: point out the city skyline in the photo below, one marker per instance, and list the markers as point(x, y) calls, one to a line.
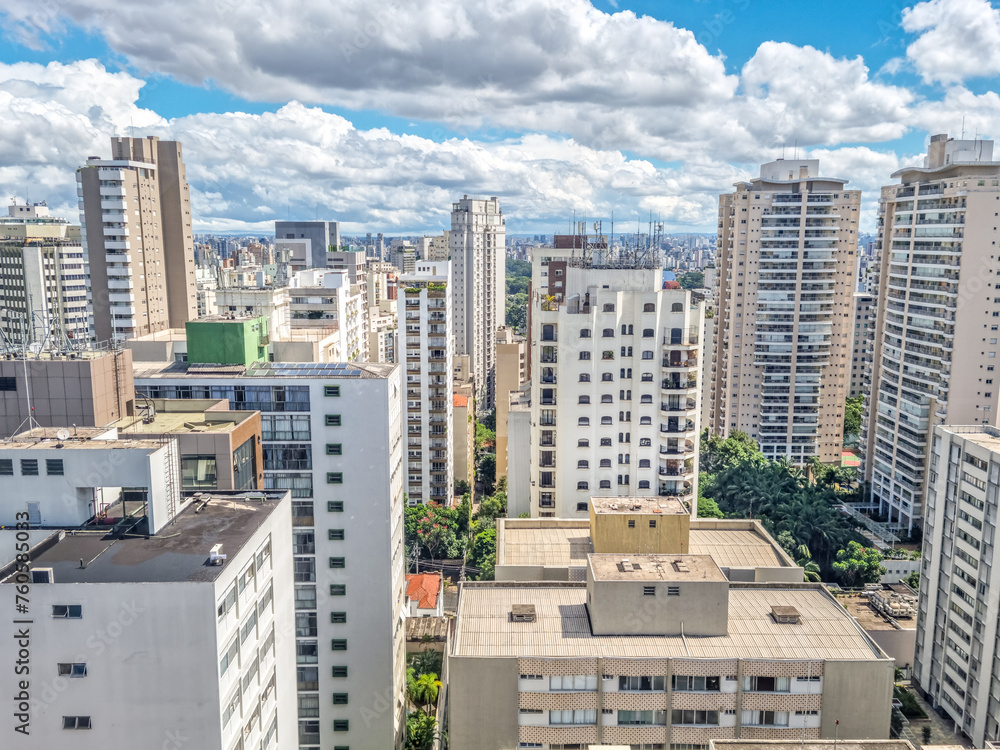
point(387, 127)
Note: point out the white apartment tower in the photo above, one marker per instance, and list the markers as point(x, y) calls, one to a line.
point(425, 348)
point(614, 383)
point(332, 436)
point(957, 663)
point(786, 259)
point(935, 348)
point(477, 239)
point(135, 212)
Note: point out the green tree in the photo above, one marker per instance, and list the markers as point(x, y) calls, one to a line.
point(708, 508)
point(516, 315)
point(913, 580)
point(425, 691)
point(483, 553)
point(716, 453)
point(421, 731)
point(486, 439)
point(692, 280)
point(490, 509)
point(852, 418)
point(486, 471)
point(435, 532)
point(857, 565)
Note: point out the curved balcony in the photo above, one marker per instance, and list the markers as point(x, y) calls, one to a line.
point(678, 405)
point(679, 363)
point(679, 384)
point(679, 448)
point(677, 427)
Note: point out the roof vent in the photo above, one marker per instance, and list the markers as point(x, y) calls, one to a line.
point(788, 615)
point(626, 566)
point(522, 613)
point(215, 556)
point(681, 567)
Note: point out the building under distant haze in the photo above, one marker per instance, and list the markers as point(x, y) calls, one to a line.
point(477, 237)
point(137, 237)
point(935, 348)
point(785, 260)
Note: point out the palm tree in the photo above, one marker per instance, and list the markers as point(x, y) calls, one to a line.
point(426, 690)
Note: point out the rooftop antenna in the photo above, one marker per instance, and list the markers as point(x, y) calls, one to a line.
point(796, 149)
point(963, 127)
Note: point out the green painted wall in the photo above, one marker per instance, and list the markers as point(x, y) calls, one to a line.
point(227, 342)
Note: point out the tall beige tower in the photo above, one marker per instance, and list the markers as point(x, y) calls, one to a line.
point(934, 353)
point(785, 259)
point(136, 231)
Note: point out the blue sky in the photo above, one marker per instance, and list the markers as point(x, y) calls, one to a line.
point(381, 113)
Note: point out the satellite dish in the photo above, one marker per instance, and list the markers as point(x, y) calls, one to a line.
point(62, 434)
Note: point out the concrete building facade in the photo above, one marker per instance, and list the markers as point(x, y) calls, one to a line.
point(478, 290)
point(786, 259)
point(332, 435)
point(936, 341)
point(426, 347)
point(321, 237)
point(864, 324)
point(512, 373)
point(957, 663)
point(137, 237)
point(614, 386)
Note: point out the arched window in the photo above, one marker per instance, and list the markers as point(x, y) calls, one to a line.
point(646, 399)
point(584, 355)
point(645, 442)
point(583, 422)
point(606, 398)
point(649, 307)
point(584, 333)
point(584, 400)
point(584, 377)
point(624, 329)
point(643, 463)
point(605, 420)
point(605, 463)
point(645, 420)
point(583, 443)
point(647, 333)
point(605, 442)
point(647, 377)
point(643, 484)
point(608, 333)
point(583, 485)
point(607, 377)
point(583, 464)
point(605, 484)
point(677, 307)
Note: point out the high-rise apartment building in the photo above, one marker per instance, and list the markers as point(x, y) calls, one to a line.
point(323, 298)
point(957, 661)
point(477, 238)
point(864, 321)
point(332, 436)
point(137, 238)
point(785, 261)
point(318, 237)
point(512, 373)
point(425, 347)
point(187, 628)
point(938, 324)
point(614, 386)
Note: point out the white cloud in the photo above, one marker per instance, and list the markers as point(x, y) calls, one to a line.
point(958, 39)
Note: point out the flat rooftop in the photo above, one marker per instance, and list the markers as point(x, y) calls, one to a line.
point(616, 567)
point(175, 370)
point(985, 435)
point(665, 505)
point(554, 542)
point(562, 626)
point(22, 442)
point(815, 745)
point(178, 553)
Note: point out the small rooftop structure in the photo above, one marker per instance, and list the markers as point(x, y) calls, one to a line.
point(609, 567)
point(423, 590)
point(663, 505)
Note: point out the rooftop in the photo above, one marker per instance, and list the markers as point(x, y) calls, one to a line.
point(423, 588)
point(617, 567)
point(47, 441)
point(667, 505)
point(562, 626)
point(459, 400)
point(170, 370)
point(178, 554)
point(183, 416)
point(561, 542)
point(813, 745)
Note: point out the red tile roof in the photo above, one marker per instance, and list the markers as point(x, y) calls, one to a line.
point(457, 400)
point(424, 589)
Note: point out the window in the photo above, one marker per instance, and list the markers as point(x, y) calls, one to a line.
point(229, 657)
point(77, 722)
point(647, 355)
point(335, 506)
point(574, 716)
point(340, 725)
point(6, 467)
point(644, 463)
point(582, 507)
point(609, 307)
point(336, 535)
point(334, 477)
point(583, 421)
point(605, 442)
point(695, 684)
point(652, 523)
point(8, 384)
point(642, 683)
point(688, 716)
point(331, 390)
point(606, 420)
point(607, 354)
point(67, 611)
point(631, 524)
point(305, 597)
point(308, 706)
point(334, 449)
point(583, 464)
point(649, 307)
point(583, 400)
point(287, 457)
point(333, 420)
point(767, 684)
point(583, 485)
point(642, 718)
point(29, 467)
point(249, 627)
point(338, 618)
point(643, 484)
point(605, 484)
point(647, 333)
point(647, 377)
point(645, 442)
point(765, 718)
point(645, 399)
point(72, 670)
point(54, 467)
point(338, 589)
point(584, 377)
point(305, 625)
point(340, 699)
point(340, 671)
point(583, 443)
point(584, 355)
point(338, 562)
point(607, 398)
point(584, 333)
point(605, 463)
point(607, 377)
point(227, 603)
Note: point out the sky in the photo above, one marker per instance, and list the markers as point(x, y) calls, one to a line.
point(381, 113)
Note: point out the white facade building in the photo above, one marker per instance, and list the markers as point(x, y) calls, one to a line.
point(478, 235)
point(328, 298)
point(614, 385)
point(332, 435)
point(425, 346)
point(957, 662)
point(150, 645)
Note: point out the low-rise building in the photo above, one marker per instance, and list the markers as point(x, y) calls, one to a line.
point(163, 640)
point(425, 595)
